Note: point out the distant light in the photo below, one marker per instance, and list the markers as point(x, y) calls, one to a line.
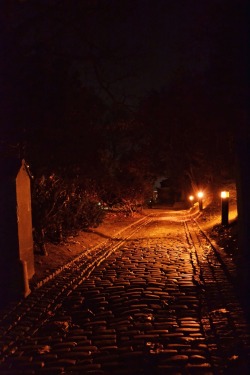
point(191, 198)
point(224, 194)
point(200, 194)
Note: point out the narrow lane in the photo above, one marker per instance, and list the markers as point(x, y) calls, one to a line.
point(156, 300)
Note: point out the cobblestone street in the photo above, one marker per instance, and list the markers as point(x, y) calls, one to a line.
point(157, 300)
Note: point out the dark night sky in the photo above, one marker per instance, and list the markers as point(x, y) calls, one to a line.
point(135, 46)
point(138, 45)
point(157, 41)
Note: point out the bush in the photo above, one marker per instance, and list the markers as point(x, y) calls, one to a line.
point(61, 208)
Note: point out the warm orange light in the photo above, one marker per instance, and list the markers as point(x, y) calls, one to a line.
point(191, 197)
point(224, 194)
point(200, 194)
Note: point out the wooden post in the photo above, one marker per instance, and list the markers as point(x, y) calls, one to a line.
point(16, 240)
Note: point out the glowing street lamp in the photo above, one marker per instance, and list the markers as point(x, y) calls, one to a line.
point(200, 196)
point(224, 207)
point(191, 199)
point(224, 194)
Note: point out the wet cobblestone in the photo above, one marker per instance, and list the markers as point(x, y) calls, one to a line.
point(159, 304)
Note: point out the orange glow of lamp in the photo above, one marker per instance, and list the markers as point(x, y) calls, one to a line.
point(224, 207)
point(224, 194)
point(200, 196)
point(191, 199)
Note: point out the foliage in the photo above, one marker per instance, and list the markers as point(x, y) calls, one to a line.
point(62, 207)
point(188, 138)
point(127, 176)
point(125, 197)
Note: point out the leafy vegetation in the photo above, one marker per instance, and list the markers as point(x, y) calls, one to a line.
point(61, 208)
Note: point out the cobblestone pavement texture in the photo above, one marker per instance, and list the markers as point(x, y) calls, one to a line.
point(155, 300)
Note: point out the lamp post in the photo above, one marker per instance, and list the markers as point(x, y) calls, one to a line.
point(191, 199)
point(224, 207)
point(200, 196)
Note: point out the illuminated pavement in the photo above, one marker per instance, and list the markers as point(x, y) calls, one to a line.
point(159, 304)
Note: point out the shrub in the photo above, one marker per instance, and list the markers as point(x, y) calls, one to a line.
point(61, 208)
